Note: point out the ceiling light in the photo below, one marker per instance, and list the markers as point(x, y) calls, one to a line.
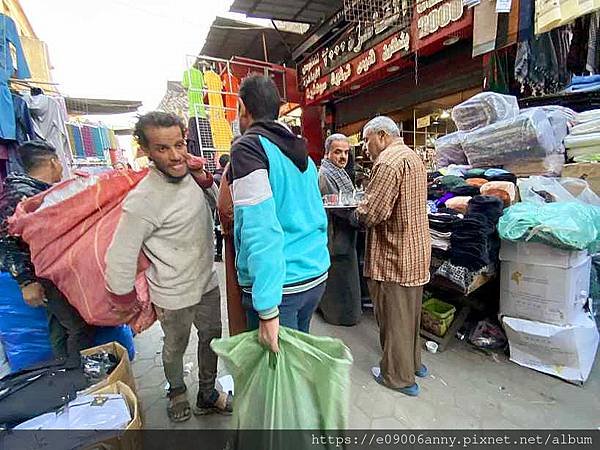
point(354, 87)
point(445, 114)
point(451, 40)
point(393, 68)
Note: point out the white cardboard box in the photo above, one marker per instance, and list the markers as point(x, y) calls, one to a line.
point(544, 293)
point(566, 352)
point(541, 254)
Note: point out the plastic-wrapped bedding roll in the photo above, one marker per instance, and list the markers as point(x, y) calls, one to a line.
point(449, 149)
point(529, 136)
point(582, 140)
point(586, 116)
point(484, 109)
point(593, 126)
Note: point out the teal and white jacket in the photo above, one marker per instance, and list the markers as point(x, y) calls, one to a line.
point(280, 226)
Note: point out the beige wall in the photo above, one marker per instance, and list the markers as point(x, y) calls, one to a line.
point(35, 50)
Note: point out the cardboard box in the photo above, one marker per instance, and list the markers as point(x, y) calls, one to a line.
point(586, 171)
point(566, 352)
point(130, 440)
point(544, 293)
point(540, 254)
point(122, 372)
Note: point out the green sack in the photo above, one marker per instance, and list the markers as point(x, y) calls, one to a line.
point(567, 225)
point(304, 386)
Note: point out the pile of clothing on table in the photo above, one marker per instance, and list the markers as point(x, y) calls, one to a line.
point(583, 141)
point(494, 132)
point(588, 83)
point(464, 209)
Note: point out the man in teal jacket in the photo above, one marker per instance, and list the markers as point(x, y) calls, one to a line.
point(280, 225)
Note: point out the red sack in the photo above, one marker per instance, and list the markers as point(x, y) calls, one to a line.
point(69, 239)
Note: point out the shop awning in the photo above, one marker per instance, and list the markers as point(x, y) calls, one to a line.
point(306, 11)
point(228, 38)
point(91, 106)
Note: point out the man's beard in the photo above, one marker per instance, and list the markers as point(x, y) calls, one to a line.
point(170, 178)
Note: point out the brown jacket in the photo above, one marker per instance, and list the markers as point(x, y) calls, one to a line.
point(235, 311)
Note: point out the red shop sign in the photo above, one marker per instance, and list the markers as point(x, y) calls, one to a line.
point(435, 21)
point(371, 61)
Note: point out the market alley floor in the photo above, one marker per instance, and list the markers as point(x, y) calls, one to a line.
point(466, 388)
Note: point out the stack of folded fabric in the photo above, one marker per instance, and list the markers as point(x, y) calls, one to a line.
point(474, 242)
point(449, 149)
point(484, 109)
point(583, 141)
point(529, 136)
point(440, 228)
point(588, 83)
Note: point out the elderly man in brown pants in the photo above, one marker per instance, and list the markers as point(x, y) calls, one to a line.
point(398, 251)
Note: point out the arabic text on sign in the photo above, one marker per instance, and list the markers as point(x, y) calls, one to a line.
point(440, 17)
point(398, 42)
point(365, 64)
point(340, 75)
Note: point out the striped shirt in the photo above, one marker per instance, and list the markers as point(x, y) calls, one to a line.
point(395, 213)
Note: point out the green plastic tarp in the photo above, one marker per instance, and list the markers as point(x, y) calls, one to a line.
point(567, 225)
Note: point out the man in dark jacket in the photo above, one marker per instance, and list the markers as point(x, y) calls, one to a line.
point(223, 161)
point(68, 332)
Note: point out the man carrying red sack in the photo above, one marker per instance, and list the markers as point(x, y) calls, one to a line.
point(68, 331)
point(168, 216)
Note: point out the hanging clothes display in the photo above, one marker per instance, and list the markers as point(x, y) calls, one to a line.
point(88, 141)
point(220, 127)
point(8, 36)
point(76, 140)
point(492, 30)
point(49, 125)
point(193, 81)
point(593, 50)
point(24, 129)
point(231, 86)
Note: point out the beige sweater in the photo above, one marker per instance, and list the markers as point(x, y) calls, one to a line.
point(172, 224)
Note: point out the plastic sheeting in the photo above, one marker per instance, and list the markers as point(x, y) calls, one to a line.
point(23, 329)
point(567, 225)
point(69, 239)
point(449, 149)
point(484, 109)
point(529, 136)
point(304, 386)
point(551, 190)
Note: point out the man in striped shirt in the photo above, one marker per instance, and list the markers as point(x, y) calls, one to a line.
point(398, 251)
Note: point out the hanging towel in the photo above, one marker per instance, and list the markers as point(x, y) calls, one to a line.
point(9, 36)
point(220, 127)
point(485, 23)
point(193, 81)
point(231, 86)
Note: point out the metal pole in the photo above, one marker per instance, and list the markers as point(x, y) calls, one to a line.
point(264, 41)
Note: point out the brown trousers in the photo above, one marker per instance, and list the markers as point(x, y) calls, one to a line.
point(398, 314)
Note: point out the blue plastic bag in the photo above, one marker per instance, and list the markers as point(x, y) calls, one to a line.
point(23, 329)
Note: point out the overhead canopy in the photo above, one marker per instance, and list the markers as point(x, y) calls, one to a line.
point(228, 38)
point(91, 106)
point(306, 11)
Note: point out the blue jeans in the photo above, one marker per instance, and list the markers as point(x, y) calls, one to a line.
point(295, 310)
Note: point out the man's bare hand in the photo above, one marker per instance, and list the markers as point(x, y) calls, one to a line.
point(268, 334)
point(33, 294)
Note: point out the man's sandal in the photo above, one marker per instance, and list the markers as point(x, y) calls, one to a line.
point(179, 409)
point(223, 404)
